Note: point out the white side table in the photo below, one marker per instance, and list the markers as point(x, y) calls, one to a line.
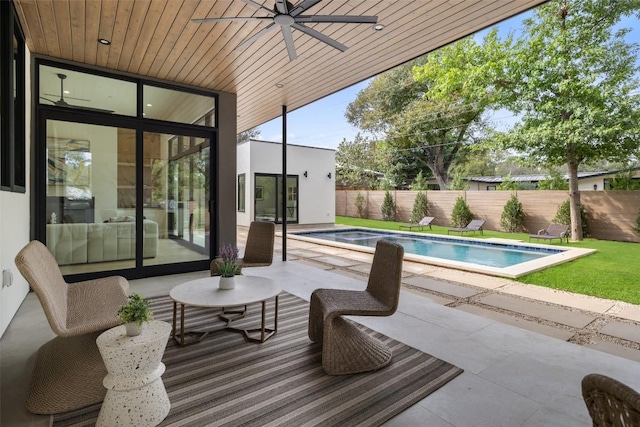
point(135, 392)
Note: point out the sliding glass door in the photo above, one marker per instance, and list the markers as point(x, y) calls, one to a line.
point(268, 198)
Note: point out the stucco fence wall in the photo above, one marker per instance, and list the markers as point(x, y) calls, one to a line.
point(611, 215)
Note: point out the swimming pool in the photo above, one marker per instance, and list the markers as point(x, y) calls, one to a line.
point(490, 256)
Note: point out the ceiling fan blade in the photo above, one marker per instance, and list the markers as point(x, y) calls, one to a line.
point(302, 6)
point(239, 18)
point(288, 40)
point(259, 6)
point(67, 97)
point(281, 6)
point(313, 33)
point(338, 19)
point(256, 36)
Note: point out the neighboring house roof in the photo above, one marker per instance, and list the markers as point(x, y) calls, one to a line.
point(537, 178)
point(280, 143)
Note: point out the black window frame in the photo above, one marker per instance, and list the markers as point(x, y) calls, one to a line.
point(12, 110)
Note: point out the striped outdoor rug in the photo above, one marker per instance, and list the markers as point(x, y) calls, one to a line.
point(226, 381)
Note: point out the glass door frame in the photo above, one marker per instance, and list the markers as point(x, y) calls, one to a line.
point(278, 203)
point(38, 218)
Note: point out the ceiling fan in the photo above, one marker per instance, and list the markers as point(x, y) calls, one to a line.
point(286, 16)
point(62, 103)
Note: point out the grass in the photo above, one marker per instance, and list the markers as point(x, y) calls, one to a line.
point(612, 272)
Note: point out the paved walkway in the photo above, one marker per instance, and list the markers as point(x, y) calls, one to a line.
point(606, 325)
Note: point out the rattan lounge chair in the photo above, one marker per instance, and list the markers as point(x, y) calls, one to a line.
point(346, 348)
point(553, 231)
point(68, 370)
point(609, 402)
point(258, 252)
point(473, 226)
point(424, 222)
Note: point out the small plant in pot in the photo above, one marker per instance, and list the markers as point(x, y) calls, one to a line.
point(134, 314)
point(228, 266)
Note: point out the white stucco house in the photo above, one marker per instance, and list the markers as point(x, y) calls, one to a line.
point(310, 183)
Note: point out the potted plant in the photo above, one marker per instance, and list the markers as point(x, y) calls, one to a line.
point(134, 314)
point(228, 266)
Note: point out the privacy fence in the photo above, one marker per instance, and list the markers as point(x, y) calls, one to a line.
point(611, 215)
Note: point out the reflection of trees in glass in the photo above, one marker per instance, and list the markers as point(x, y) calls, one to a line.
point(158, 190)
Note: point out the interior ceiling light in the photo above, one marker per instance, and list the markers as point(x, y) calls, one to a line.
point(279, 85)
point(288, 17)
point(104, 42)
point(378, 27)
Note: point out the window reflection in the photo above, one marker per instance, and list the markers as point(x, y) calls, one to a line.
point(177, 106)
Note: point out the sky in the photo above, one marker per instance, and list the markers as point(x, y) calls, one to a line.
point(322, 123)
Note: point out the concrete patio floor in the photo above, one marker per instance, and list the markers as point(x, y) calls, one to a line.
point(510, 339)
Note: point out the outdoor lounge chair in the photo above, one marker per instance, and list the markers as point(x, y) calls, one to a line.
point(346, 348)
point(610, 403)
point(474, 225)
point(553, 231)
point(68, 369)
point(424, 222)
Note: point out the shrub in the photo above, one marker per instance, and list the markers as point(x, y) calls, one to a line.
point(420, 207)
point(563, 216)
point(638, 223)
point(461, 214)
point(512, 215)
point(419, 183)
point(361, 206)
point(388, 207)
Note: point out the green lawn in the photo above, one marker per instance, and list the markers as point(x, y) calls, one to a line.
point(612, 272)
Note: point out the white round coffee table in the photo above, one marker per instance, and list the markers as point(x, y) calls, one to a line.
point(205, 293)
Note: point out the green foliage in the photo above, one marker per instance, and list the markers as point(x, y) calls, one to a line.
point(512, 215)
point(457, 183)
point(508, 184)
point(356, 162)
point(554, 181)
point(420, 207)
point(461, 214)
point(361, 206)
point(623, 180)
point(388, 207)
point(638, 223)
point(252, 133)
point(563, 216)
point(136, 310)
point(419, 182)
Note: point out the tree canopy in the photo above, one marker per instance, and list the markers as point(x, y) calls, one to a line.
point(571, 79)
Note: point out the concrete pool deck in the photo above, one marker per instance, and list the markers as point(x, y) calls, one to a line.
point(513, 272)
point(606, 325)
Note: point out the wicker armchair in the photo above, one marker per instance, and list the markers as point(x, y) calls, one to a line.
point(68, 369)
point(258, 252)
point(610, 403)
point(346, 348)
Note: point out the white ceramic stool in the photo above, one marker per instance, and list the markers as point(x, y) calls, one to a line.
point(135, 393)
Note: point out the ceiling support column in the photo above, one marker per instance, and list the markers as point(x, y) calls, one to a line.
point(284, 183)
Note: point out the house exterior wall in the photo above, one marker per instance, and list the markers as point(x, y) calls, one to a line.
point(15, 224)
point(316, 192)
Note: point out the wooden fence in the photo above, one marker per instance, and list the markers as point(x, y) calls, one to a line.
point(611, 215)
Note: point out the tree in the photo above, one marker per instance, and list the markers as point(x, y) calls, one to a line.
point(571, 81)
point(461, 214)
point(554, 181)
point(252, 133)
point(356, 162)
point(623, 180)
point(426, 109)
point(563, 216)
point(419, 183)
point(388, 207)
point(420, 207)
point(508, 184)
point(512, 215)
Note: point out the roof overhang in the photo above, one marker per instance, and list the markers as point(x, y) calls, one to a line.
point(156, 38)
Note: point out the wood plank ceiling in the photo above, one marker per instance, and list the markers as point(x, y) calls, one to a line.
point(156, 38)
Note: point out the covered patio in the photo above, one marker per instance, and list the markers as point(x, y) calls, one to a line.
point(512, 377)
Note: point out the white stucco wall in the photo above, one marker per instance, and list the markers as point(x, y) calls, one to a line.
point(14, 224)
point(316, 192)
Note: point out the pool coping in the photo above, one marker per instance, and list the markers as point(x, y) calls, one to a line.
point(512, 272)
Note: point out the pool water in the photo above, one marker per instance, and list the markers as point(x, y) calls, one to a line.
point(470, 251)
